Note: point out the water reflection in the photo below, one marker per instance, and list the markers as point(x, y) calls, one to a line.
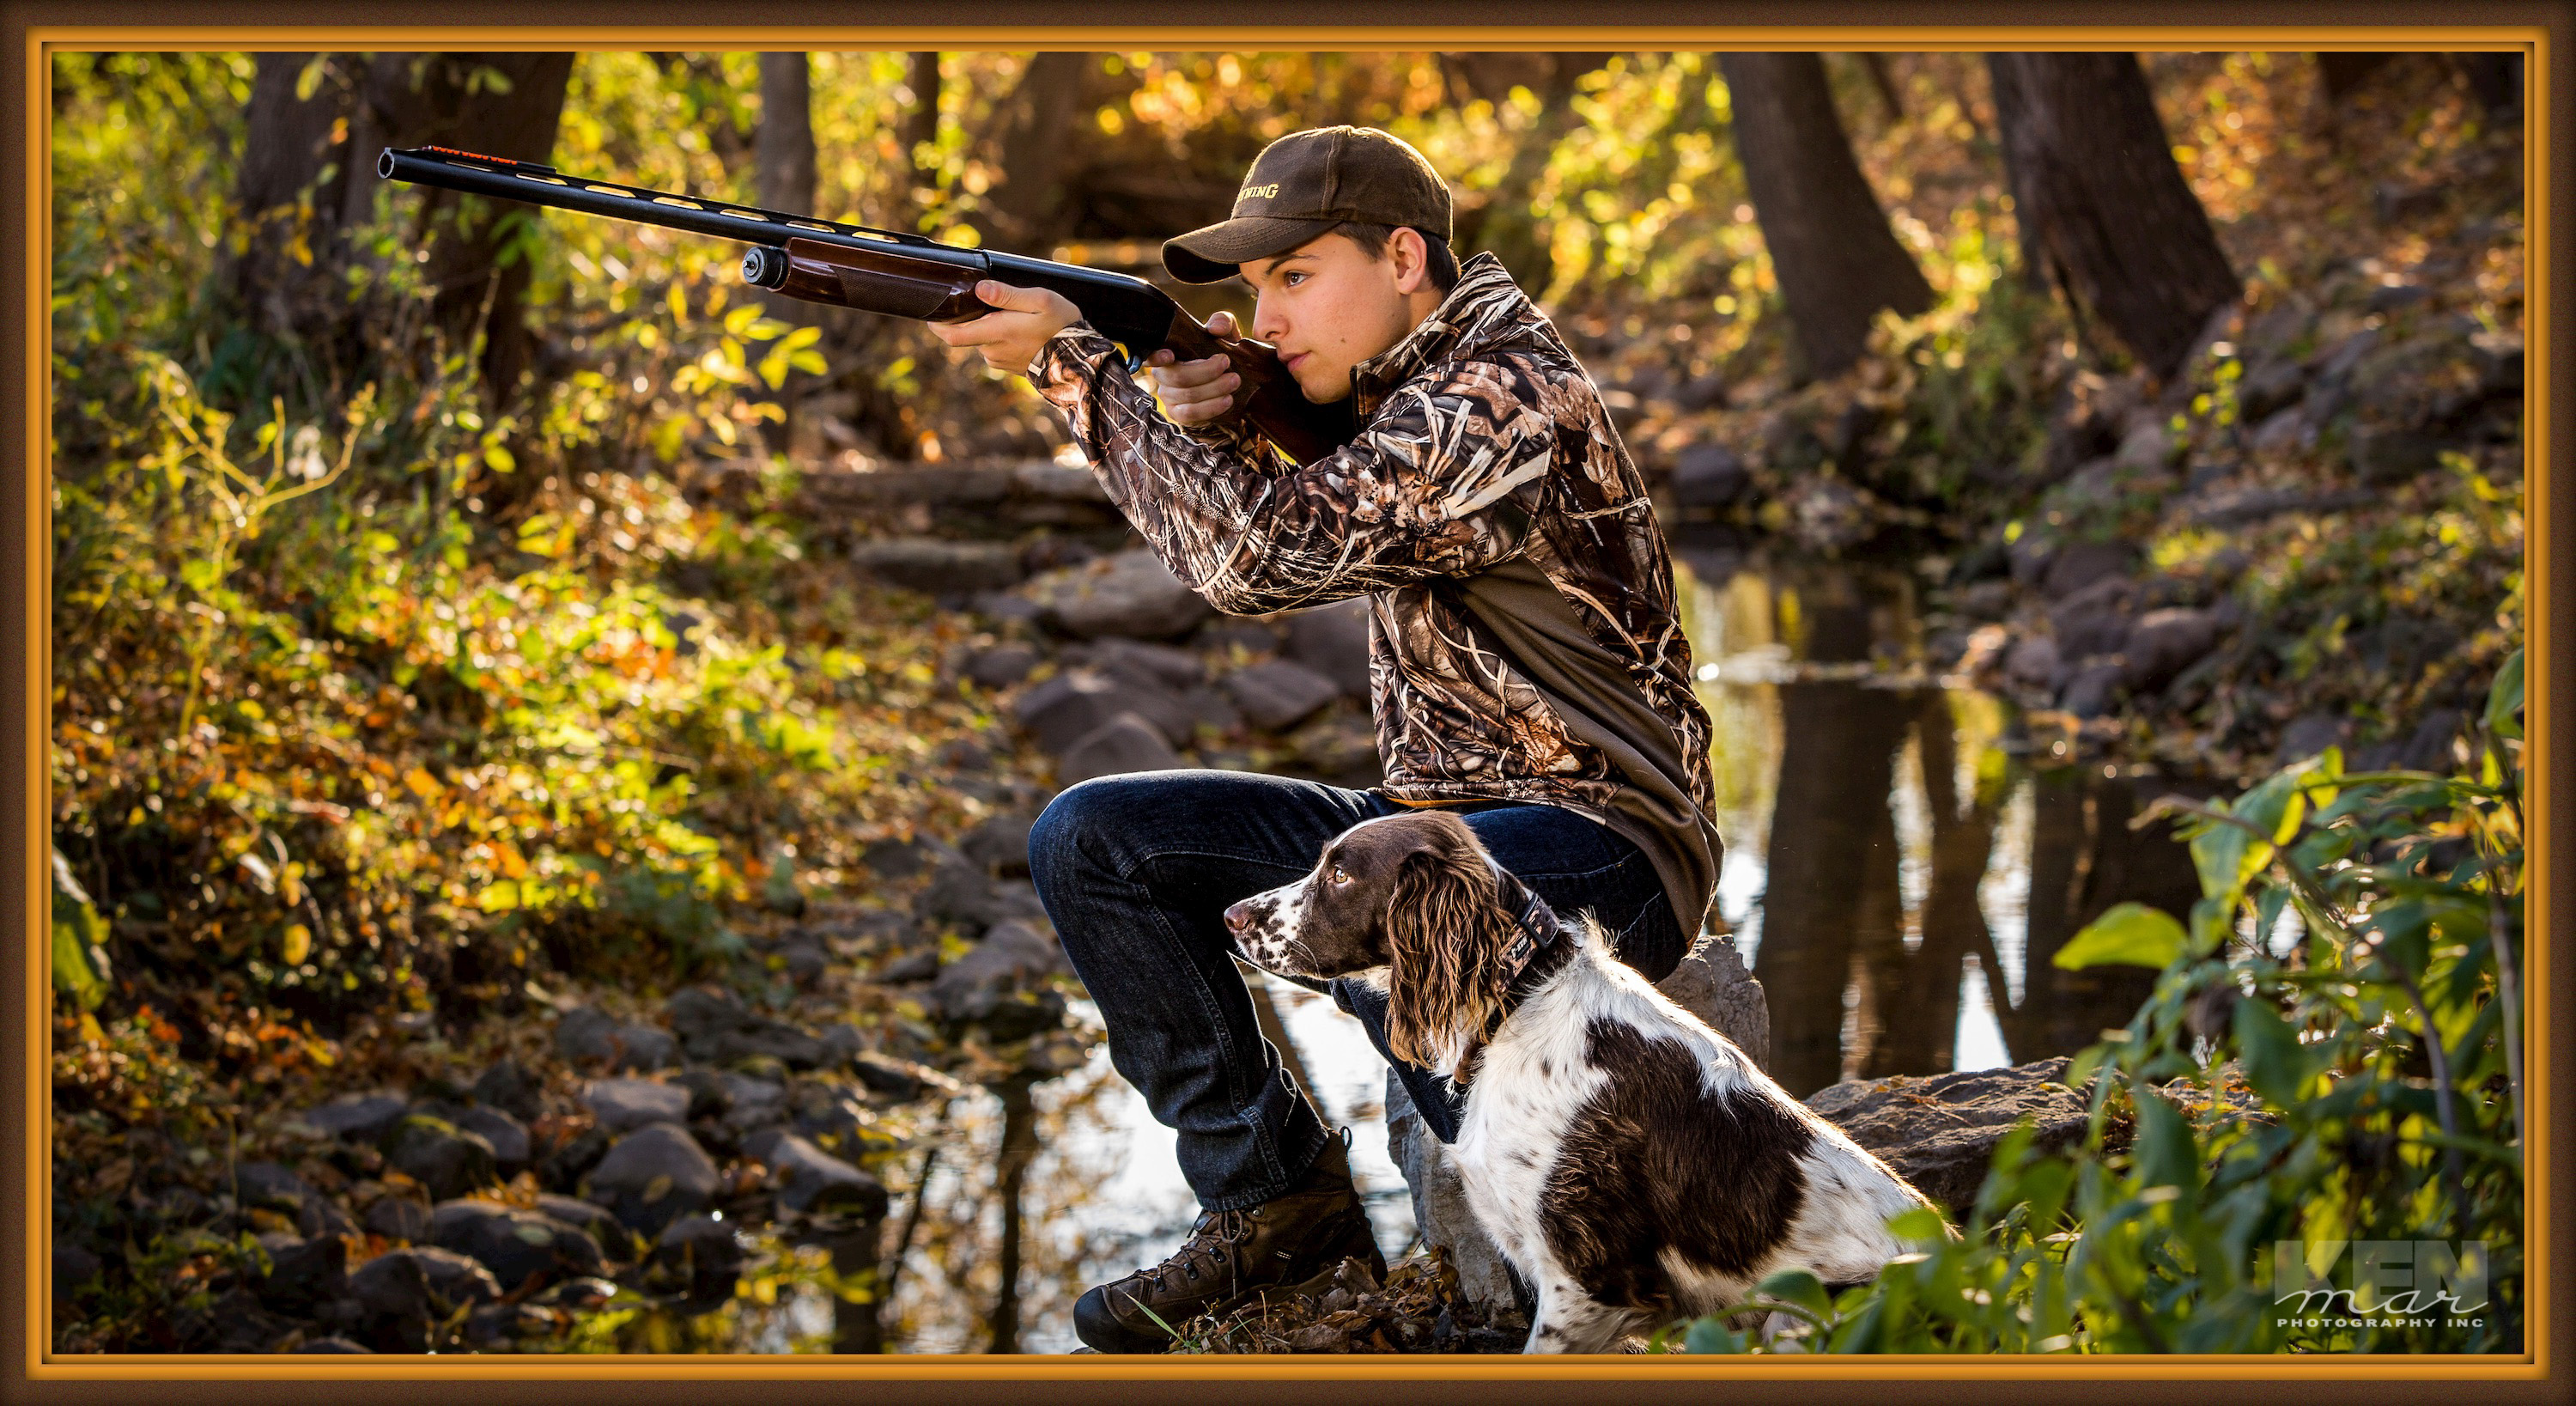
point(1890, 851)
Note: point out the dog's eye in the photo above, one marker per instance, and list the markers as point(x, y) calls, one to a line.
point(1339, 875)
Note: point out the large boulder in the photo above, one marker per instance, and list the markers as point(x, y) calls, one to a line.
point(402, 1295)
point(303, 1275)
point(1279, 694)
point(718, 1029)
point(1000, 983)
point(1939, 1131)
point(590, 1035)
point(1124, 744)
point(1333, 640)
point(623, 1105)
point(2163, 643)
point(808, 1179)
point(652, 1176)
point(1713, 984)
point(514, 1244)
point(508, 1086)
point(1131, 593)
point(363, 1117)
point(442, 1157)
point(939, 567)
point(508, 1136)
point(1067, 707)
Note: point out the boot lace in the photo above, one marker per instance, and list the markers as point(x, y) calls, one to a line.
point(1211, 1244)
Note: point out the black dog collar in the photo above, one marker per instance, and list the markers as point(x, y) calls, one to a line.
point(1536, 951)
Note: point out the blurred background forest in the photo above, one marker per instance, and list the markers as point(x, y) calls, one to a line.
point(496, 651)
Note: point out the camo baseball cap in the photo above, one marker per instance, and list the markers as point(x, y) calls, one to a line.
point(1304, 184)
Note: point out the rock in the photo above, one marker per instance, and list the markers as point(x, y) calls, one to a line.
point(442, 1157)
point(2310, 734)
point(269, 1185)
point(398, 1218)
point(803, 960)
point(891, 1078)
point(918, 966)
point(967, 895)
point(2281, 431)
point(512, 1089)
point(2090, 693)
point(2385, 458)
point(1939, 1132)
point(2092, 621)
point(2428, 747)
point(2276, 335)
point(1210, 708)
point(2163, 643)
point(1125, 743)
point(1440, 1211)
point(403, 1294)
point(652, 1176)
point(514, 1244)
point(940, 567)
point(1000, 843)
point(1280, 694)
point(1000, 972)
point(2081, 564)
point(2329, 383)
point(364, 1117)
point(590, 1035)
point(831, 1113)
point(1712, 984)
point(570, 1159)
point(697, 1255)
point(808, 1179)
point(1077, 702)
point(752, 1104)
point(2269, 390)
point(2395, 202)
point(623, 1105)
point(1131, 593)
point(1709, 476)
point(592, 1219)
point(2032, 661)
point(1225, 633)
point(1333, 640)
point(508, 1136)
point(2497, 359)
point(1001, 666)
point(720, 1030)
point(2147, 449)
point(303, 1274)
point(2389, 297)
point(897, 859)
point(1134, 660)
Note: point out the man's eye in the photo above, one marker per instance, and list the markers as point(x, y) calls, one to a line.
point(1289, 280)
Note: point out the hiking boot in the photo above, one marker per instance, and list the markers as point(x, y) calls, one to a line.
point(1289, 1244)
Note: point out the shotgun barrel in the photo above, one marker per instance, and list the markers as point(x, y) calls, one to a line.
point(904, 275)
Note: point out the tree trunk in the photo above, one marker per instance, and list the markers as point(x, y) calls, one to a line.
point(2343, 70)
point(1027, 209)
point(1875, 65)
point(921, 124)
point(500, 104)
point(1019, 1146)
point(784, 150)
point(2098, 197)
point(1503, 223)
point(1837, 261)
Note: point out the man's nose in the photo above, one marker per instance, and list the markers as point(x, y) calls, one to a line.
point(1267, 326)
point(1238, 918)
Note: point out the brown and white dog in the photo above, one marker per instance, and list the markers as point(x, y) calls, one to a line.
point(1632, 1164)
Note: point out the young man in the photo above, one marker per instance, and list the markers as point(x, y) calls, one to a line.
point(1528, 668)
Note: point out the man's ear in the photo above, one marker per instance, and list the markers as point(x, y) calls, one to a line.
point(1412, 259)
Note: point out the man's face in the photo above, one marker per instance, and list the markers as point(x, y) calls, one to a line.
point(1327, 306)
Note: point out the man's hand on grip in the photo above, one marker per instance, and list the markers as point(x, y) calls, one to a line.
point(1195, 392)
point(1010, 335)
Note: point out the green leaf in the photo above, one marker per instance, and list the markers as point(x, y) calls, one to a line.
point(309, 81)
point(2167, 1153)
point(1711, 1334)
point(1798, 1289)
point(2131, 934)
point(2504, 700)
point(2276, 1064)
point(80, 939)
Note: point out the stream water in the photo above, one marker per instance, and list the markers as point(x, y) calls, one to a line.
point(1903, 855)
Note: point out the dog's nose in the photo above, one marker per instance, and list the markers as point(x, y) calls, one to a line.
point(1237, 918)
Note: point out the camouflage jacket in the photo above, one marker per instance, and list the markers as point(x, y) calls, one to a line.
point(1483, 442)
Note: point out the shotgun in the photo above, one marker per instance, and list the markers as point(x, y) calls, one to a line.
point(906, 275)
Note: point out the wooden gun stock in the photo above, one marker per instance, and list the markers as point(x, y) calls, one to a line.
point(900, 285)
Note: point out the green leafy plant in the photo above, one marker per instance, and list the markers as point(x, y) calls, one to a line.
point(2332, 1055)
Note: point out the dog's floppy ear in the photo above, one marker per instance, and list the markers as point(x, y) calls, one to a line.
point(1446, 938)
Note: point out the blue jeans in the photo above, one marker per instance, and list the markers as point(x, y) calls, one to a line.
point(1136, 872)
